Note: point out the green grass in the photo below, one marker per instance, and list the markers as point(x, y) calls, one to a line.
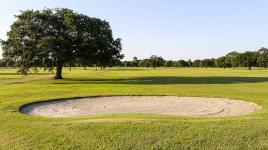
point(135, 131)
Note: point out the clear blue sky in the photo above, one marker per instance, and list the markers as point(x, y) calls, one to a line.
point(174, 29)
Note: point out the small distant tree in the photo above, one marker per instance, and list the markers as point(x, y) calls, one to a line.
point(190, 63)
point(232, 59)
point(213, 62)
point(144, 63)
point(220, 62)
point(135, 62)
point(196, 63)
point(181, 63)
point(207, 63)
point(127, 64)
point(262, 58)
point(156, 61)
point(248, 59)
point(168, 63)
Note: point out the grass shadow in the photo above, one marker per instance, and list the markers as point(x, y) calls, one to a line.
point(165, 80)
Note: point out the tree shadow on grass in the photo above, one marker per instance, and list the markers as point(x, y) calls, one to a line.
point(166, 80)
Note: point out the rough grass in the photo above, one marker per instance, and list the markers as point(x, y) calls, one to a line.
point(136, 131)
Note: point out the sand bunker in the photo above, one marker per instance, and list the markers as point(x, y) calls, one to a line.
point(165, 105)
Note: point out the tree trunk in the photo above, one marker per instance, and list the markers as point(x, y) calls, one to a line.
point(58, 72)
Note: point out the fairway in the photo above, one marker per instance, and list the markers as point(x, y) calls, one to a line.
point(134, 131)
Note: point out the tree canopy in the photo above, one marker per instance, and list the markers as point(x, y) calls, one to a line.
point(156, 61)
point(59, 37)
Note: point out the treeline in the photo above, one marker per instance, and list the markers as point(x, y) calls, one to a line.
point(233, 59)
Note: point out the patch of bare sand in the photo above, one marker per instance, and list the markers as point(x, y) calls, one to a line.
point(165, 105)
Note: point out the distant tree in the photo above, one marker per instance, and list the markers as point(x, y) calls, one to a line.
point(213, 62)
point(178, 64)
point(135, 62)
point(220, 62)
point(262, 59)
point(156, 61)
point(190, 63)
point(144, 63)
point(232, 59)
point(248, 59)
point(127, 63)
point(181, 63)
point(59, 37)
point(196, 63)
point(207, 63)
point(168, 63)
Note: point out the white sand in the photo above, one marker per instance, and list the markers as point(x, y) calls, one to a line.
point(165, 105)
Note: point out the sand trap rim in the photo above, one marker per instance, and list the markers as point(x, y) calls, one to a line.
point(80, 97)
point(201, 104)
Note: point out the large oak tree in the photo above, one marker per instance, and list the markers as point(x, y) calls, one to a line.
point(59, 37)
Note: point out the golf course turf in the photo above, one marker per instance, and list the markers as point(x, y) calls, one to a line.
point(134, 131)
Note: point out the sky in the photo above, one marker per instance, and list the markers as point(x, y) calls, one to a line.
point(173, 29)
